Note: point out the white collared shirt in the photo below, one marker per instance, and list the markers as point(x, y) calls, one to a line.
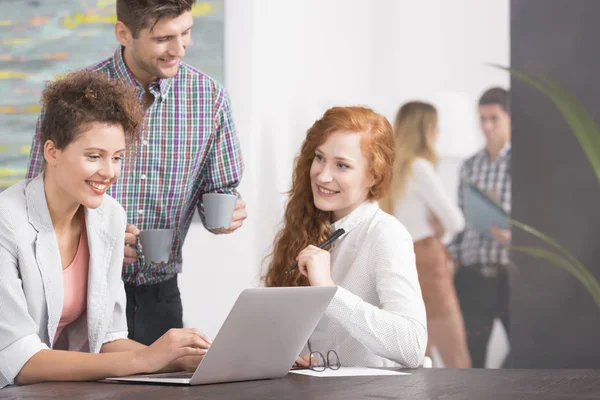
point(377, 317)
point(425, 195)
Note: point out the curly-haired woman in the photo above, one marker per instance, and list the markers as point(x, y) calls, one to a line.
point(62, 301)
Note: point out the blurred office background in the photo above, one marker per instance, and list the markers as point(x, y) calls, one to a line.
point(288, 61)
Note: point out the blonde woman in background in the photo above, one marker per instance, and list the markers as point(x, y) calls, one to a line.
point(417, 198)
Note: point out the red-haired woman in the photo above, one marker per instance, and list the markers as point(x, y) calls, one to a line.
point(377, 317)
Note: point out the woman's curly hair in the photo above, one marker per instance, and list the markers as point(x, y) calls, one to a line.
point(84, 97)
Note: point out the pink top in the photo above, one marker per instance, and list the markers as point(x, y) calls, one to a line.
point(75, 280)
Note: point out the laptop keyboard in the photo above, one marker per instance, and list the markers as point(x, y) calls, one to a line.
point(178, 375)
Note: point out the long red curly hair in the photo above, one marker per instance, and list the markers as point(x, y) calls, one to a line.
point(305, 224)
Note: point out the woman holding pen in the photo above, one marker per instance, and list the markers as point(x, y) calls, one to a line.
point(377, 317)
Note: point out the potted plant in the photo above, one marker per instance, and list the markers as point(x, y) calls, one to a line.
point(586, 131)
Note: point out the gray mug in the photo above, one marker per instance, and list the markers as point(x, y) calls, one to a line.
point(218, 209)
point(156, 245)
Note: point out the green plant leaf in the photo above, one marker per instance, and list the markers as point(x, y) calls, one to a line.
point(544, 237)
point(591, 286)
point(583, 125)
point(587, 134)
point(581, 269)
point(579, 120)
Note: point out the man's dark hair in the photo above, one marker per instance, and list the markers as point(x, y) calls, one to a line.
point(85, 97)
point(496, 95)
point(141, 14)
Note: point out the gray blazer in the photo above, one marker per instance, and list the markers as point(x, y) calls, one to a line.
point(31, 282)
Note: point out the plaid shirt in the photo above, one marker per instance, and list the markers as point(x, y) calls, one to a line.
point(471, 247)
point(187, 147)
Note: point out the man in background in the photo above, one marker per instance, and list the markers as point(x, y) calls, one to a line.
point(481, 258)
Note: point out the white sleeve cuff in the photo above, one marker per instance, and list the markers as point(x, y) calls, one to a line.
point(111, 337)
point(15, 356)
point(342, 305)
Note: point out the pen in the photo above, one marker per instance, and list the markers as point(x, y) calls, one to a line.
point(326, 243)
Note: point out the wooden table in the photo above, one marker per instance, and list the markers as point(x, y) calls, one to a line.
point(447, 384)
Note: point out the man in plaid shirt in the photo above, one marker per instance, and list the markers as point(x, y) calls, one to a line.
point(482, 257)
point(188, 147)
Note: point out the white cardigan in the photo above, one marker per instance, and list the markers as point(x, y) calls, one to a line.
point(425, 195)
point(31, 281)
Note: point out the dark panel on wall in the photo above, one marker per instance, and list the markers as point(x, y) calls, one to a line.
point(555, 323)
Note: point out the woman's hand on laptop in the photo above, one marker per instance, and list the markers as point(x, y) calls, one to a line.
point(186, 363)
point(302, 362)
point(171, 347)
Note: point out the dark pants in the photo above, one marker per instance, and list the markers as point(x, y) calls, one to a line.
point(483, 295)
point(152, 310)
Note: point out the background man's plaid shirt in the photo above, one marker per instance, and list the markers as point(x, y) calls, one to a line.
point(187, 147)
point(471, 247)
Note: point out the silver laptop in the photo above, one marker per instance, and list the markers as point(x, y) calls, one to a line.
point(263, 334)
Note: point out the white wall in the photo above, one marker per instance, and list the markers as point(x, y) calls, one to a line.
point(287, 61)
